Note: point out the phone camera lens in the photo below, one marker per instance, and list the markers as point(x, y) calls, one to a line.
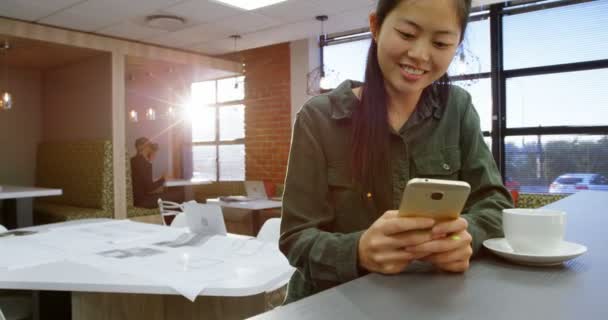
point(436, 195)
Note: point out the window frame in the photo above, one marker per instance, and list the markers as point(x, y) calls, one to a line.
point(216, 141)
point(499, 76)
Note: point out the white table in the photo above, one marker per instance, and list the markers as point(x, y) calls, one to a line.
point(255, 206)
point(19, 202)
point(187, 185)
point(95, 293)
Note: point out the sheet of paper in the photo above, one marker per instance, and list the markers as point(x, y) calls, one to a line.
point(117, 231)
point(188, 272)
point(186, 262)
point(19, 252)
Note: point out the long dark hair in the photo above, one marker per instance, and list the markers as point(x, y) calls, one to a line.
point(370, 137)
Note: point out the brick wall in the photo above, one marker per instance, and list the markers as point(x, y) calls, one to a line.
point(267, 112)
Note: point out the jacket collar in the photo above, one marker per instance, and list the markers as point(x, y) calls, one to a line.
point(344, 102)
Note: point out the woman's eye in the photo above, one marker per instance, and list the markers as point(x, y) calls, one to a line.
point(405, 35)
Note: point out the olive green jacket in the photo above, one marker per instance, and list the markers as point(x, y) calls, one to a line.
point(324, 214)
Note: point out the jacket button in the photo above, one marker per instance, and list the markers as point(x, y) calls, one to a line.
point(446, 166)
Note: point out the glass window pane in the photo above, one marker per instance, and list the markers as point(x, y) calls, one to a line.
point(568, 99)
point(557, 164)
point(203, 93)
point(476, 49)
point(203, 124)
point(232, 162)
point(481, 94)
point(488, 141)
point(232, 122)
point(204, 162)
point(231, 89)
point(565, 34)
point(347, 60)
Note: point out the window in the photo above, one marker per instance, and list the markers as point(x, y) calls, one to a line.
point(218, 129)
point(540, 94)
point(565, 34)
point(558, 99)
point(481, 96)
point(556, 163)
point(347, 60)
point(556, 114)
point(475, 49)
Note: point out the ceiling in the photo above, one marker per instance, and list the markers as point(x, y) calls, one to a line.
point(26, 53)
point(208, 23)
point(33, 54)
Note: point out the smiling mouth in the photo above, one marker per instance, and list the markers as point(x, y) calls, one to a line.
point(412, 70)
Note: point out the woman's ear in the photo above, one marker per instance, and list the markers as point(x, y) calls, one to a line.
point(373, 25)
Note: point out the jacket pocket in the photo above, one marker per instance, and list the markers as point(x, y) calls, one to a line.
point(444, 164)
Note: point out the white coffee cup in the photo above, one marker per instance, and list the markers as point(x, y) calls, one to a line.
point(534, 231)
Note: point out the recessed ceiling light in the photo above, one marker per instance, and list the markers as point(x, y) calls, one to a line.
point(250, 4)
point(165, 22)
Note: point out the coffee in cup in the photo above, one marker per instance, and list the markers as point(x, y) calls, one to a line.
point(534, 231)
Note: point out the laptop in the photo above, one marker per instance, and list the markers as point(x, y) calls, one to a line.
point(255, 190)
point(204, 218)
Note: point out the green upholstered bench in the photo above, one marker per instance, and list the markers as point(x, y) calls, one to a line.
point(83, 170)
point(537, 200)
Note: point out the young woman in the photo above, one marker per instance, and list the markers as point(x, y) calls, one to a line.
point(354, 149)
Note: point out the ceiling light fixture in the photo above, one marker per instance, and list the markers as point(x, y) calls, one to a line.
point(321, 79)
point(236, 38)
point(249, 4)
point(165, 22)
point(6, 99)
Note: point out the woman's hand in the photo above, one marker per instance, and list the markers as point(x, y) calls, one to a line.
point(382, 247)
point(450, 248)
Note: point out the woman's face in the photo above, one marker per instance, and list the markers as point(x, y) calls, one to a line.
point(416, 43)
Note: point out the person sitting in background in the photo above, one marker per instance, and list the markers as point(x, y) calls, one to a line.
point(146, 190)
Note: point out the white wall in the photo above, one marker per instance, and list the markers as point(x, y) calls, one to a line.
point(77, 101)
point(20, 128)
point(304, 58)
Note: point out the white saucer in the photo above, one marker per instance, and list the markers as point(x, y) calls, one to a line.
point(567, 251)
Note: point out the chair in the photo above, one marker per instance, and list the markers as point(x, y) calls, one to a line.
point(515, 196)
point(179, 221)
point(270, 231)
point(168, 211)
point(15, 306)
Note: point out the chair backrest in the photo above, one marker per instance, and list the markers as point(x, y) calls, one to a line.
point(205, 218)
point(82, 169)
point(168, 211)
point(2, 228)
point(270, 231)
point(179, 221)
point(515, 197)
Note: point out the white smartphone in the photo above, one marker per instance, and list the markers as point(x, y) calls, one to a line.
point(433, 198)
